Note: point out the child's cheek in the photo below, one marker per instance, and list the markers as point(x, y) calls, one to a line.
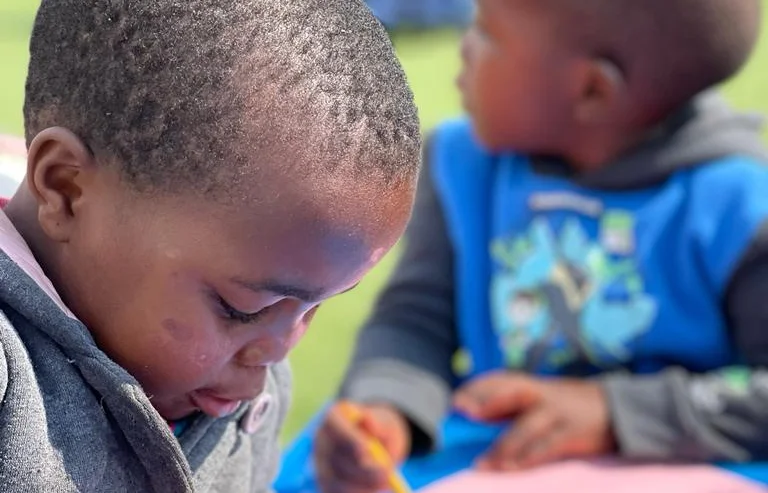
point(178, 331)
point(195, 351)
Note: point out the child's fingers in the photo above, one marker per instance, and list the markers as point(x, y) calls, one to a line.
point(330, 480)
point(368, 478)
point(495, 397)
point(527, 434)
point(338, 467)
point(352, 452)
point(552, 447)
point(343, 470)
point(336, 486)
point(390, 428)
point(359, 425)
point(346, 434)
point(374, 427)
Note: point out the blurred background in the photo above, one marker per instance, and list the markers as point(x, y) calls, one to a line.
point(429, 52)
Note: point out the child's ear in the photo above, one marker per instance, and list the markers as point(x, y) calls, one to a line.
point(58, 165)
point(602, 90)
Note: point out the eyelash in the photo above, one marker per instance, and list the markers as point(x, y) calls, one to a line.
point(238, 316)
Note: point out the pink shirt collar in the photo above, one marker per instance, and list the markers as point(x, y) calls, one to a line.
point(17, 249)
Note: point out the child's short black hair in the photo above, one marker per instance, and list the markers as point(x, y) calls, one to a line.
point(170, 90)
point(669, 49)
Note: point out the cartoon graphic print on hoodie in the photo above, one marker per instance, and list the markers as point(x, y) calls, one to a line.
point(554, 290)
point(72, 420)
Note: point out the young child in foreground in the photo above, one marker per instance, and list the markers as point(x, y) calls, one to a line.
point(202, 174)
point(595, 240)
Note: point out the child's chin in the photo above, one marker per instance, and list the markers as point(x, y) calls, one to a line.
point(487, 140)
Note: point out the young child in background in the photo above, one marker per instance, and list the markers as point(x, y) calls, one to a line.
point(595, 241)
point(201, 175)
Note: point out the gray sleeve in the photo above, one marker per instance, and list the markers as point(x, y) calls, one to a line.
point(404, 352)
point(716, 416)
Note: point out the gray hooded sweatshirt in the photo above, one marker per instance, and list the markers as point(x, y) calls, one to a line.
point(72, 420)
point(404, 353)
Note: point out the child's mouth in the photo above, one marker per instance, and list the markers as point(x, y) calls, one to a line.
point(213, 405)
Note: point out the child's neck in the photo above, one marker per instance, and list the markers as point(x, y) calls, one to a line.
point(590, 149)
point(593, 153)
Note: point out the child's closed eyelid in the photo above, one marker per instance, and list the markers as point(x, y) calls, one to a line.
point(242, 317)
point(231, 314)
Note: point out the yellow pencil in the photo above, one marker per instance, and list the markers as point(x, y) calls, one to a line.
point(396, 481)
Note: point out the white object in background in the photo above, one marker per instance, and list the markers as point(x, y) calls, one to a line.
point(12, 171)
point(13, 164)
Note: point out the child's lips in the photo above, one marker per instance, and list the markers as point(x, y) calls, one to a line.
point(213, 405)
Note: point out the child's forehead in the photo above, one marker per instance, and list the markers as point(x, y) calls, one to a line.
point(284, 215)
point(353, 224)
point(336, 195)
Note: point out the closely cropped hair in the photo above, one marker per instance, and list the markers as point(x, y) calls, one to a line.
point(186, 94)
point(669, 49)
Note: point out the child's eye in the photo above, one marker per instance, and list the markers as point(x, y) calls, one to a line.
point(230, 313)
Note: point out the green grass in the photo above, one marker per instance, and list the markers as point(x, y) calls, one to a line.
point(15, 25)
point(431, 61)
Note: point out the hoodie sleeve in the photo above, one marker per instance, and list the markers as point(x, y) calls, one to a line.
point(720, 416)
point(405, 350)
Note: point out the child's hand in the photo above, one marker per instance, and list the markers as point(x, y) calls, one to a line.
point(554, 418)
point(342, 460)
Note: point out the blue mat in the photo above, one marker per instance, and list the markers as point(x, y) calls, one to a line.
point(467, 441)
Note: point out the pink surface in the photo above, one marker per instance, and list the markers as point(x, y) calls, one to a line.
point(13, 146)
point(598, 477)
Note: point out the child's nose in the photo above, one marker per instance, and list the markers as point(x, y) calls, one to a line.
point(266, 352)
point(252, 355)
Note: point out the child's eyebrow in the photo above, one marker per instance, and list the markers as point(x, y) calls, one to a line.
point(281, 289)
